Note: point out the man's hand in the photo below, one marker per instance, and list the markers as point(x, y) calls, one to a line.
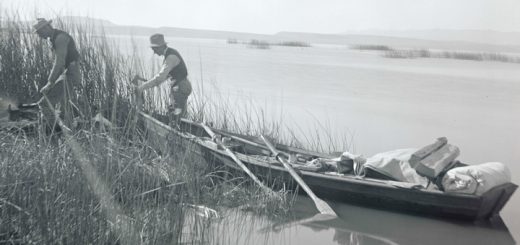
point(175, 89)
point(139, 78)
point(46, 88)
point(136, 83)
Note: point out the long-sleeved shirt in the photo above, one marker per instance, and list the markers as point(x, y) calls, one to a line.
point(60, 53)
point(168, 64)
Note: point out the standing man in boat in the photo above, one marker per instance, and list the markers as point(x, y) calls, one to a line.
point(173, 67)
point(64, 76)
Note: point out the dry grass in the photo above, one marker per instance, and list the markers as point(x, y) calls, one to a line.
point(102, 187)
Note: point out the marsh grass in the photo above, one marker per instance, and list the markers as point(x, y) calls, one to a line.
point(110, 186)
point(118, 189)
point(293, 44)
point(262, 44)
point(245, 117)
point(390, 52)
point(371, 47)
point(259, 44)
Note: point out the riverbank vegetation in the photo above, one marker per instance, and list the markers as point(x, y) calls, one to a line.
point(104, 186)
point(263, 44)
point(371, 47)
point(390, 52)
point(459, 55)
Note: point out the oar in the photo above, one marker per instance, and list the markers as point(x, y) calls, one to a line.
point(56, 115)
point(234, 157)
point(321, 205)
point(304, 221)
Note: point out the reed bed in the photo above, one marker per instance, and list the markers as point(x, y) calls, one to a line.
point(109, 185)
point(263, 44)
point(389, 52)
point(475, 56)
point(371, 47)
point(247, 118)
point(104, 186)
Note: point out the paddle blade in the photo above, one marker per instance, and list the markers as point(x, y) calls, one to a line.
point(321, 205)
point(325, 209)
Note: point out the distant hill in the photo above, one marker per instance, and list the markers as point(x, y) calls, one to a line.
point(86, 20)
point(181, 32)
point(478, 36)
point(454, 40)
point(402, 42)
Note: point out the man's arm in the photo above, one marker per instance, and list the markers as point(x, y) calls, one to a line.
point(169, 63)
point(60, 53)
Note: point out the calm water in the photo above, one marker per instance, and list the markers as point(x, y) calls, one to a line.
point(380, 104)
point(356, 226)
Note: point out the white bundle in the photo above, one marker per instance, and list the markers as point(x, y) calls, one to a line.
point(476, 179)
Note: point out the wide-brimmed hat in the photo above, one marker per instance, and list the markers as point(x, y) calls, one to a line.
point(157, 40)
point(40, 23)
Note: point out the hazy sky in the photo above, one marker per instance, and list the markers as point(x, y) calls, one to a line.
point(270, 16)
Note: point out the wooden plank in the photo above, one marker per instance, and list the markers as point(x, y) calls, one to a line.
point(427, 150)
point(433, 164)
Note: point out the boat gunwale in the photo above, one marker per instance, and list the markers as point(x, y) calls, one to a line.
point(340, 178)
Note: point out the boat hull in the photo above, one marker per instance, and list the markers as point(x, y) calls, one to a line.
point(374, 193)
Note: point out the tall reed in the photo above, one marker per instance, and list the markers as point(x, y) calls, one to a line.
point(101, 187)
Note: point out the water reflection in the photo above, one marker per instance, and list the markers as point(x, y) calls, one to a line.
point(342, 236)
point(358, 225)
point(355, 226)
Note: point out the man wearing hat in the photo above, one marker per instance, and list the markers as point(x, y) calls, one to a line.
point(173, 67)
point(65, 73)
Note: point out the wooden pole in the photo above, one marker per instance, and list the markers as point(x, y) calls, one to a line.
point(321, 205)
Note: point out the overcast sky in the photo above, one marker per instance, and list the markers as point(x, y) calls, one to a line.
point(271, 16)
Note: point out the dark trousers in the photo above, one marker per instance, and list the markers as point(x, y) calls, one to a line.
point(63, 99)
point(178, 107)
